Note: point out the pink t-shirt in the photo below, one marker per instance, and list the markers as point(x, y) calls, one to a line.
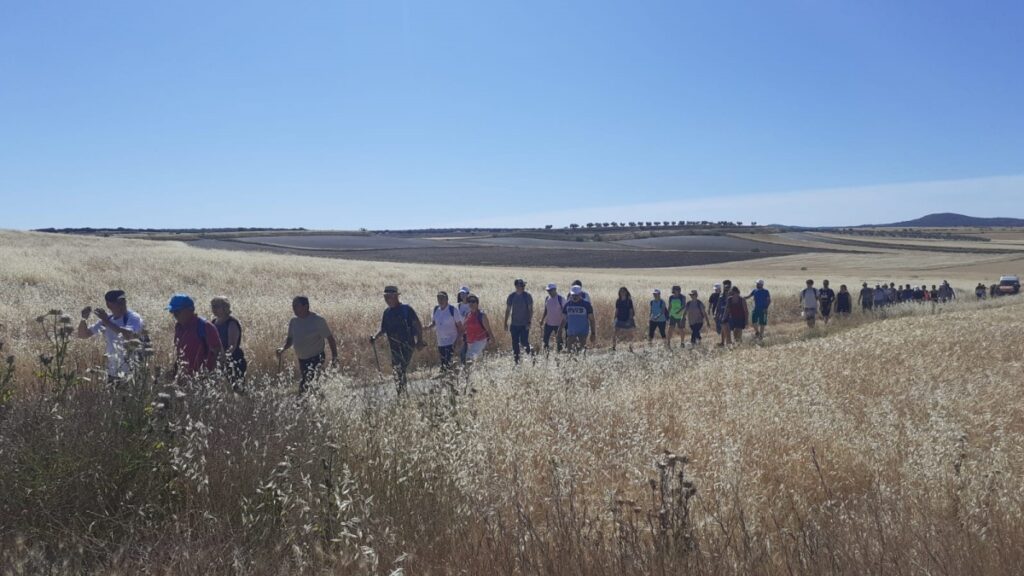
point(195, 355)
point(554, 309)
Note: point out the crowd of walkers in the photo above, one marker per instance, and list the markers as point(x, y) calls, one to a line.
point(463, 332)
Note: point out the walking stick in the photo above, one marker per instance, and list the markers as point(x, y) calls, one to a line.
point(376, 358)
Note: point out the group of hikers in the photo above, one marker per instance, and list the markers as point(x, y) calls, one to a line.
point(463, 331)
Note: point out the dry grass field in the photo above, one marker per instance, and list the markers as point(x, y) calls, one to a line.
point(886, 444)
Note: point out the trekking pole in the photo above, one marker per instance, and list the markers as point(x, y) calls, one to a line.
point(376, 358)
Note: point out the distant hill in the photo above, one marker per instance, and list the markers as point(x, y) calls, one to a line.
point(950, 220)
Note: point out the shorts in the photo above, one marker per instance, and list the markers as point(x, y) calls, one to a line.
point(759, 317)
point(675, 322)
point(737, 323)
point(475, 349)
point(625, 325)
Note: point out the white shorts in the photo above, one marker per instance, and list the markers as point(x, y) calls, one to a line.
point(475, 349)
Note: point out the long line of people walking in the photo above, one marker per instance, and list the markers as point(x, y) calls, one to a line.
point(463, 331)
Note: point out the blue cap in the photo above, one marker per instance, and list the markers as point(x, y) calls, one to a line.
point(180, 302)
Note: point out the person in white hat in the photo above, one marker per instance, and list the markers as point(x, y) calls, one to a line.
point(578, 321)
point(551, 319)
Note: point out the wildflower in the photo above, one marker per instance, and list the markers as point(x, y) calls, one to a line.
point(40, 319)
point(65, 319)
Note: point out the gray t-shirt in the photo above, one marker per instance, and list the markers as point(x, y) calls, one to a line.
point(308, 335)
point(521, 304)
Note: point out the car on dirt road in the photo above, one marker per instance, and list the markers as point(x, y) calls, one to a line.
point(1009, 285)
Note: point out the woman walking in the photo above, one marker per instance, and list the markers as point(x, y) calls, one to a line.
point(230, 331)
point(696, 315)
point(478, 330)
point(625, 319)
point(736, 308)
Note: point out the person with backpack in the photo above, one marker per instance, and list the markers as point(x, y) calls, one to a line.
point(844, 302)
point(762, 300)
point(308, 332)
point(519, 306)
point(809, 301)
point(658, 316)
point(404, 332)
point(578, 321)
point(980, 291)
point(676, 303)
point(551, 318)
point(826, 297)
point(117, 326)
point(478, 330)
point(230, 332)
point(446, 321)
point(625, 319)
point(197, 345)
point(736, 308)
point(696, 316)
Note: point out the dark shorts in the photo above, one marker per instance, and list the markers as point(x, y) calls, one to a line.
point(759, 317)
point(675, 322)
point(625, 325)
point(737, 323)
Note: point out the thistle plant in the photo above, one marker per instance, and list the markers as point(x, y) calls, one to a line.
point(54, 371)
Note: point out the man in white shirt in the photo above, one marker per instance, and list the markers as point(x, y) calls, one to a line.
point(117, 326)
point(809, 301)
point(447, 324)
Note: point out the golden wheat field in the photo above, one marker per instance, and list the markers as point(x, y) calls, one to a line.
point(885, 444)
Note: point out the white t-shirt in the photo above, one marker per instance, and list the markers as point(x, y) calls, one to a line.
point(809, 297)
point(117, 357)
point(554, 306)
point(444, 322)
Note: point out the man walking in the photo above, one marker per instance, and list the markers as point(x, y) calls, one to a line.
point(448, 325)
point(551, 319)
point(405, 334)
point(809, 301)
point(658, 316)
point(867, 297)
point(119, 325)
point(722, 314)
point(714, 300)
point(308, 332)
point(578, 321)
point(826, 296)
point(197, 345)
point(762, 300)
point(519, 306)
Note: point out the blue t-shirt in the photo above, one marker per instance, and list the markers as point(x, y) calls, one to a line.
point(577, 317)
point(761, 298)
point(659, 311)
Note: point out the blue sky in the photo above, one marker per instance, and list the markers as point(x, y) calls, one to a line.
point(392, 114)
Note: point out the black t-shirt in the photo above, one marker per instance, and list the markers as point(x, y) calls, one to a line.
point(623, 309)
point(826, 296)
point(399, 323)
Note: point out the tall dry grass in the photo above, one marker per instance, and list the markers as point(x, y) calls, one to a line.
point(884, 446)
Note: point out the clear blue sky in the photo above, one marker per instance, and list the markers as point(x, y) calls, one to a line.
point(394, 114)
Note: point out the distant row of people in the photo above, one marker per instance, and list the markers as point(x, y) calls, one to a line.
point(882, 295)
point(463, 331)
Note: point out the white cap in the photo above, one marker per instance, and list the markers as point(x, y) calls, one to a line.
point(464, 290)
point(552, 286)
point(576, 290)
point(760, 282)
point(655, 291)
point(718, 286)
